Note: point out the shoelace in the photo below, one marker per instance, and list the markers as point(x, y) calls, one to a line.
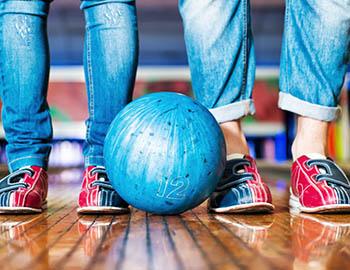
point(14, 180)
point(330, 172)
point(235, 174)
point(102, 177)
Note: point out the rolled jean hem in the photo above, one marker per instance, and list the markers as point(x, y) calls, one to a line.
point(21, 162)
point(94, 161)
point(233, 111)
point(38, 8)
point(87, 4)
point(304, 108)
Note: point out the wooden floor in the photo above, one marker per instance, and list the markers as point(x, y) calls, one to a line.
point(61, 239)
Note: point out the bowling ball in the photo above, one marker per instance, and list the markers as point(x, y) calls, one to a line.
point(164, 153)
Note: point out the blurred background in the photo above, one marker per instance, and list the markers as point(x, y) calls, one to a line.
point(163, 66)
point(161, 35)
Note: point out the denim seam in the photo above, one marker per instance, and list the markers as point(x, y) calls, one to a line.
point(91, 92)
point(2, 74)
point(245, 46)
point(27, 157)
point(287, 42)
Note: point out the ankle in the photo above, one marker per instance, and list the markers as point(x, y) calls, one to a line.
point(305, 146)
point(236, 142)
point(311, 137)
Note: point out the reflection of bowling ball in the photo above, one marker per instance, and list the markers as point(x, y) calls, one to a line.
point(164, 153)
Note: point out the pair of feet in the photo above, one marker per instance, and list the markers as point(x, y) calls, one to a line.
point(317, 185)
point(25, 191)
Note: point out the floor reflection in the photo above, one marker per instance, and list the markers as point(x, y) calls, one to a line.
point(96, 230)
point(22, 242)
point(250, 229)
point(102, 238)
point(320, 241)
point(61, 239)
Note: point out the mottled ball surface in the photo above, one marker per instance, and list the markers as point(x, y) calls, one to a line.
point(164, 153)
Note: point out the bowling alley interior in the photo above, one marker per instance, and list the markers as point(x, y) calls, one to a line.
point(61, 238)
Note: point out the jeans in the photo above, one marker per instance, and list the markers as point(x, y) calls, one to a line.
point(314, 58)
point(110, 61)
point(220, 49)
point(24, 71)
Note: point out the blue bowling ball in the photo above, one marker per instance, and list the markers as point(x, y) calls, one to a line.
point(164, 153)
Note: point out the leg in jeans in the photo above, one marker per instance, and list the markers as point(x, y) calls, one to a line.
point(314, 60)
point(24, 72)
point(221, 57)
point(110, 62)
point(24, 69)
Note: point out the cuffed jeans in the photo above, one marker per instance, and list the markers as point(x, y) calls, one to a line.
point(315, 55)
point(221, 56)
point(314, 58)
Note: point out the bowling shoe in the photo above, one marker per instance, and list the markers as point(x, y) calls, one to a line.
point(241, 188)
point(97, 196)
point(319, 185)
point(24, 191)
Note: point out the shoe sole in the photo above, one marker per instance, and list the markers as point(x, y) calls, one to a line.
point(22, 210)
point(245, 208)
point(102, 210)
point(331, 208)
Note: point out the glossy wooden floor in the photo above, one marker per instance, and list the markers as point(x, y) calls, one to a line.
point(61, 239)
